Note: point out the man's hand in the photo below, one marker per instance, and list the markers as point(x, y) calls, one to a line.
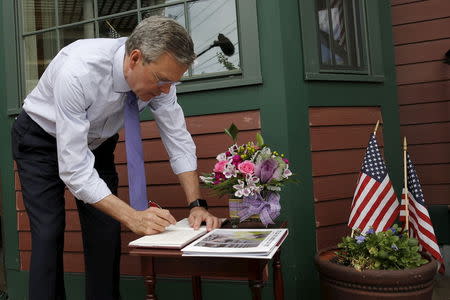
point(200, 214)
point(151, 221)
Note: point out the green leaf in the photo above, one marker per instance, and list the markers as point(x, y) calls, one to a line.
point(259, 139)
point(232, 132)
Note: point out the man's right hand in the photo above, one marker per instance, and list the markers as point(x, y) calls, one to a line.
point(151, 221)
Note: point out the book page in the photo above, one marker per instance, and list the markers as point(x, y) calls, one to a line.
point(176, 236)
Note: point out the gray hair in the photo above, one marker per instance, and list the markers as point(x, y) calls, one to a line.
point(155, 35)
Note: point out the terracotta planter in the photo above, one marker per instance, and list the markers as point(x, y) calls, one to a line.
point(339, 282)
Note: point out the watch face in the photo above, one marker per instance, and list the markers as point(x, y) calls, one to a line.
point(198, 202)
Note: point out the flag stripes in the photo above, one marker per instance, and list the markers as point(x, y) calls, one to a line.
point(374, 202)
point(418, 216)
point(421, 227)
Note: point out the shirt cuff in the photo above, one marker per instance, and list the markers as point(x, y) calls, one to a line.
point(184, 163)
point(93, 193)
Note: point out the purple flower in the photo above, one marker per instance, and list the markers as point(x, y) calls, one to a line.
point(370, 231)
point(286, 160)
point(266, 170)
point(394, 231)
point(360, 239)
point(237, 160)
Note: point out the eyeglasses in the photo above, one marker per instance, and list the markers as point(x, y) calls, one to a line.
point(160, 83)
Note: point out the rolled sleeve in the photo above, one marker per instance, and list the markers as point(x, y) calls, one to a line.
point(177, 140)
point(75, 159)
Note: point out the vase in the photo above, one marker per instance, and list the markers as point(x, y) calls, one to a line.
point(235, 206)
point(338, 282)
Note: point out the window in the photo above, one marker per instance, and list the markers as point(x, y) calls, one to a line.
point(347, 40)
point(49, 25)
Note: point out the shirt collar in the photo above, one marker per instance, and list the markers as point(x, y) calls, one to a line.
point(120, 85)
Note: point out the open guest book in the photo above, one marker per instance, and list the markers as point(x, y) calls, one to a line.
point(175, 237)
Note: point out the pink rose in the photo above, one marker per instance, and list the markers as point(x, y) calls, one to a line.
point(246, 167)
point(220, 166)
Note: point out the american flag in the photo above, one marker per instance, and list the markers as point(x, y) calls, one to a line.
point(374, 202)
point(420, 225)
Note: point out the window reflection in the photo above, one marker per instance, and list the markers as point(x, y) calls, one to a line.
point(207, 20)
point(145, 3)
point(71, 11)
point(175, 12)
point(108, 7)
point(38, 14)
point(71, 34)
point(340, 26)
point(39, 51)
point(118, 27)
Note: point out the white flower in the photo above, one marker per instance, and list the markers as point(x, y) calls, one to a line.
point(251, 179)
point(274, 188)
point(246, 192)
point(206, 179)
point(239, 186)
point(230, 171)
point(233, 149)
point(287, 173)
point(221, 156)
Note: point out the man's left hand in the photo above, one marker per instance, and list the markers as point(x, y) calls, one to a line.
point(200, 214)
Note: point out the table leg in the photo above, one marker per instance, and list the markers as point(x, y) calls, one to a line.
point(256, 287)
point(197, 287)
point(278, 284)
point(149, 277)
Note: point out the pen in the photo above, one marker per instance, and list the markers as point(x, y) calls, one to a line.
point(153, 204)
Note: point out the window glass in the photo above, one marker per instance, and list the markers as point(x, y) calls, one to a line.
point(145, 3)
point(118, 27)
point(49, 25)
point(39, 51)
point(208, 19)
point(38, 14)
point(71, 11)
point(108, 7)
point(339, 26)
point(175, 12)
point(71, 34)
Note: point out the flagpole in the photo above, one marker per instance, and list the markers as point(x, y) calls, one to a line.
point(376, 127)
point(405, 174)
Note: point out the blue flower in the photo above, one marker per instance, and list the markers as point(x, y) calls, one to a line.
point(360, 239)
point(394, 231)
point(370, 231)
point(394, 246)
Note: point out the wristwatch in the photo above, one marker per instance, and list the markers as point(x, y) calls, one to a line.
point(198, 202)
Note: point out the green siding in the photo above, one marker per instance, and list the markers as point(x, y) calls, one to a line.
point(283, 98)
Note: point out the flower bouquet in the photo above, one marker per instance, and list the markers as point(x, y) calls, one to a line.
point(253, 173)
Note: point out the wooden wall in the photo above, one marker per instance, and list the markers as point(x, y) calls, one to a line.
point(339, 138)
point(163, 186)
point(421, 31)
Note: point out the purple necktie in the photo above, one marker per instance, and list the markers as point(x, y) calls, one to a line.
point(137, 184)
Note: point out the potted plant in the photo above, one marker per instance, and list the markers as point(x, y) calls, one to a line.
point(383, 265)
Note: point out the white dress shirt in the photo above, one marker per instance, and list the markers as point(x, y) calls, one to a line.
point(80, 100)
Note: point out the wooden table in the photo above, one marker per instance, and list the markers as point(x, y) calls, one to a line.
point(171, 263)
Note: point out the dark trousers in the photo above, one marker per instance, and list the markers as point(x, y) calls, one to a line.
point(43, 192)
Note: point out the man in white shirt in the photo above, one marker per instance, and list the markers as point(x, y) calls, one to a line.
point(66, 135)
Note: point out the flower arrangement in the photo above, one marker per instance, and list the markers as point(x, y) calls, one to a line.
point(386, 250)
point(252, 172)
